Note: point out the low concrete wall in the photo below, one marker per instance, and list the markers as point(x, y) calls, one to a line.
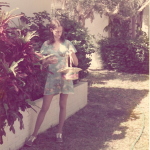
point(76, 101)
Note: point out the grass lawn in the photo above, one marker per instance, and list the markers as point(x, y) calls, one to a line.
point(115, 118)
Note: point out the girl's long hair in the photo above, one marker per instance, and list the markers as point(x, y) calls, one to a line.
point(53, 25)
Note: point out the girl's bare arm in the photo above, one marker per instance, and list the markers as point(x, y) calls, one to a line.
point(74, 58)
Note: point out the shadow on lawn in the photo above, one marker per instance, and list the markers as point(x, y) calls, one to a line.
point(99, 76)
point(100, 121)
point(95, 124)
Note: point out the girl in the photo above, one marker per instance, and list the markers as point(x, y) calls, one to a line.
point(55, 84)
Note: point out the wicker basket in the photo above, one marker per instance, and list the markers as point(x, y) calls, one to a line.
point(70, 73)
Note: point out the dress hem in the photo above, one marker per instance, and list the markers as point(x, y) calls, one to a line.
point(57, 93)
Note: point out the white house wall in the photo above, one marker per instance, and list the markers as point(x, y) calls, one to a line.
point(145, 23)
point(97, 28)
point(28, 6)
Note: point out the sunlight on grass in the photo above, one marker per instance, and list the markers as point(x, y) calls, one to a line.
point(121, 84)
point(108, 75)
point(117, 80)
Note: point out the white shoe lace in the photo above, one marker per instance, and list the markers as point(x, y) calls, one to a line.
point(32, 138)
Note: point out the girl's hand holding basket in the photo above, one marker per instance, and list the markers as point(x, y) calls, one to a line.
point(69, 72)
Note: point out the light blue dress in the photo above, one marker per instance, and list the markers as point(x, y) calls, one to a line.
point(55, 84)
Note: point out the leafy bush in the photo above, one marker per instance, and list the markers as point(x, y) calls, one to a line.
point(121, 51)
point(125, 54)
point(20, 73)
point(73, 31)
point(39, 23)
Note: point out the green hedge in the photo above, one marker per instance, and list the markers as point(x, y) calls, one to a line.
point(127, 55)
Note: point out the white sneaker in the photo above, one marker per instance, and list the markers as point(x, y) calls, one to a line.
point(59, 137)
point(30, 141)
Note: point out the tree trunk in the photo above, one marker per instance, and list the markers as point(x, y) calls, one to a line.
point(133, 26)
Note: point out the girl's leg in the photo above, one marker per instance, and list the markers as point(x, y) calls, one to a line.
point(45, 106)
point(62, 113)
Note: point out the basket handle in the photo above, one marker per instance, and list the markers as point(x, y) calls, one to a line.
point(68, 55)
point(70, 60)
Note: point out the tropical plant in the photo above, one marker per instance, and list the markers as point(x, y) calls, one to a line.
point(126, 48)
point(81, 10)
point(21, 78)
point(39, 23)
